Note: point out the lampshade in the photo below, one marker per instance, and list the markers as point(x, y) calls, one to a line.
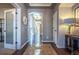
point(69, 21)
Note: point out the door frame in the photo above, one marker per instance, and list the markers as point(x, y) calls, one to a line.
point(10, 46)
point(29, 16)
point(55, 28)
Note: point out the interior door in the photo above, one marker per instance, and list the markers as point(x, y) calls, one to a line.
point(9, 28)
point(55, 27)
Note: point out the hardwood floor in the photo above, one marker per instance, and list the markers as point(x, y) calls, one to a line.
point(63, 51)
point(60, 51)
point(5, 51)
point(45, 49)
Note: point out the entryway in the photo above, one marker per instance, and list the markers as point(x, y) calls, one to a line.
point(34, 31)
point(34, 26)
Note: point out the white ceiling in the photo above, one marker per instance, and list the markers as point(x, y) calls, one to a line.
point(40, 4)
point(66, 4)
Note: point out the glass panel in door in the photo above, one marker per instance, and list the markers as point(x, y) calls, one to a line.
point(9, 28)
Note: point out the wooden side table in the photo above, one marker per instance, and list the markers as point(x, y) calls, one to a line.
point(69, 42)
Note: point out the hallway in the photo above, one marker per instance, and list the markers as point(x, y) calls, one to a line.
point(45, 49)
point(33, 24)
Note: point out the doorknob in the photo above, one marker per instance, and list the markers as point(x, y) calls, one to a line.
point(4, 30)
point(54, 30)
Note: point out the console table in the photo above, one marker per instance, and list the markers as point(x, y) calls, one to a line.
point(69, 42)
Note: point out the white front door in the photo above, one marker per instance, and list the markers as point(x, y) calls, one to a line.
point(34, 29)
point(10, 28)
point(37, 34)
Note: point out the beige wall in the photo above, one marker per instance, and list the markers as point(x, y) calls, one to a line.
point(2, 13)
point(64, 12)
point(3, 7)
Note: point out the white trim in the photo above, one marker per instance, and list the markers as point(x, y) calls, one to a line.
point(47, 41)
point(60, 46)
point(24, 44)
point(16, 5)
point(18, 28)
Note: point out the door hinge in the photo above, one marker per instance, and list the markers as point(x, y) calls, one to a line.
point(16, 42)
point(16, 13)
point(16, 27)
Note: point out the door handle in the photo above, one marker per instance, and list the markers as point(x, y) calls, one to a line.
point(4, 30)
point(54, 30)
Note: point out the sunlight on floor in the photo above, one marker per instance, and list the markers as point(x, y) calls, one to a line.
point(45, 49)
point(37, 52)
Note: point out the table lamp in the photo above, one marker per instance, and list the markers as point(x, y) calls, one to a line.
point(70, 22)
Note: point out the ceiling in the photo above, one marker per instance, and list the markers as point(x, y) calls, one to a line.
point(5, 5)
point(40, 4)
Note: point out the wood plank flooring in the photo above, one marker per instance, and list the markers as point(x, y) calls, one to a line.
point(60, 51)
point(5, 51)
point(45, 49)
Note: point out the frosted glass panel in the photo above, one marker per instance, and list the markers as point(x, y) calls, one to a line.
point(9, 27)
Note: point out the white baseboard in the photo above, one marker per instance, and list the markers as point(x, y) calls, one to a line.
point(47, 41)
point(60, 46)
point(24, 44)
